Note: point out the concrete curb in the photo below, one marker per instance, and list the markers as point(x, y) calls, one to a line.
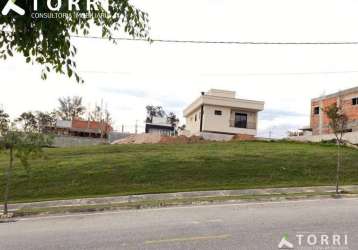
point(179, 195)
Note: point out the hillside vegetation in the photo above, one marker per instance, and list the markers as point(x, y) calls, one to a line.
point(135, 169)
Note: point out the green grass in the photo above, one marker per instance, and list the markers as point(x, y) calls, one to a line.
point(136, 169)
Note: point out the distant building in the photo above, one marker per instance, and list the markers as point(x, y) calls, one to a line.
point(83, 128)
point(320, 121)
point(220, 112)
point(159, 125)
point(319, 129)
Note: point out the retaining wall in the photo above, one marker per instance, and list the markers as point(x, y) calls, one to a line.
point(76, 141)
point(352, 137)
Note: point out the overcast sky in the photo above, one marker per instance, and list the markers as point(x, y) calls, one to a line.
point(130, 75)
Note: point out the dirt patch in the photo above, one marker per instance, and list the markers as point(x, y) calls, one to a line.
point(156, 138)
point(243, 137)
point(139, 139)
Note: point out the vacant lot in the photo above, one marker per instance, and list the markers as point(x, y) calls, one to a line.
point(133, 169)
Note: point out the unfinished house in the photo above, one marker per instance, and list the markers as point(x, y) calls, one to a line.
point(218, 114)
point(320, 121)
point(319, 128)
point(83, 128)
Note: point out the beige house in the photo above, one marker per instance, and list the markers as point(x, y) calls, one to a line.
point(219, 112)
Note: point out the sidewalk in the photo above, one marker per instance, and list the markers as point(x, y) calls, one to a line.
point(181, 195)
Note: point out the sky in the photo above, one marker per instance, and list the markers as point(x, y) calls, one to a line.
point(132, 74)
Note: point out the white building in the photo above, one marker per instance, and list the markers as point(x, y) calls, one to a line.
point(160, 125)
point(219, 112)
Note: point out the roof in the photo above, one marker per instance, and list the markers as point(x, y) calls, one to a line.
point(219, 100)
point(342, 92)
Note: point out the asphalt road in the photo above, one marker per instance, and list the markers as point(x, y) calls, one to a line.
point(227, 226)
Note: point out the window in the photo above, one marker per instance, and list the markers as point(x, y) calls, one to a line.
point(316, 110)
point(195, 118)
point(218, 112)
point(355, 101)
point(240, 120)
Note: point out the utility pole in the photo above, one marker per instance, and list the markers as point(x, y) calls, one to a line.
point(122, 128)
point(136, 127)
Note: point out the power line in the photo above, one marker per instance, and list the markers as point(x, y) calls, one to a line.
point(218, 42)
point(230, 74)
point(286, 73)
point(213, 41)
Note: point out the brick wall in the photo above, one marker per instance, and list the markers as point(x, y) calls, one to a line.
point(320, 122)
point(83, 124)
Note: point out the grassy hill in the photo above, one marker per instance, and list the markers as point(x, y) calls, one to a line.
point(134, 169)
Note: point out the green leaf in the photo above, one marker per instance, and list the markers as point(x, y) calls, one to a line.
point(69, 72)
point(49, 41)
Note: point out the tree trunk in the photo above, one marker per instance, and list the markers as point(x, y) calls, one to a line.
point(8, 179)
point(338, 165)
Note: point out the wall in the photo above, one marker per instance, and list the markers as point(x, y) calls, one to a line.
point(224, 102)
point(351, 110)
point(320, 123)
point(251, 118)
point(216, 137)
point(221, 123)
point(92, 125)
point(351, 137)
point(192, 125)
point(76, 141)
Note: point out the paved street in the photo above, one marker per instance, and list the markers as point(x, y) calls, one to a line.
point(228, 226)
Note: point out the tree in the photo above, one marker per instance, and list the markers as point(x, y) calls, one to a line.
point(36, 121)
point(160, 111)
point(151, 112)
point(95, 115)
point(4, 122)
point(103, 117)
point(182, 127)
point(21, 145)
point(338, 123)
point(70, 108)
point(108, 121)
point(172, 119)
point(28, 121)
point(47, 41)
point(45, 120)
point(154, 111)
